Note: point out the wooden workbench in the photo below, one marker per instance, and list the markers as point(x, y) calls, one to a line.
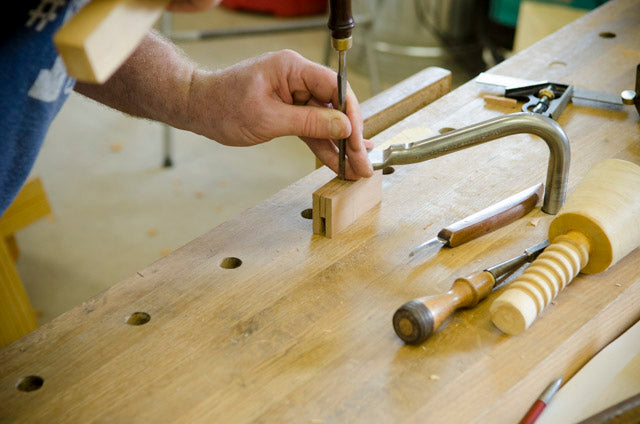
point(301, 330)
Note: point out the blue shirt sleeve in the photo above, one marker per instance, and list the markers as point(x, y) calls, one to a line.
point(34, 85)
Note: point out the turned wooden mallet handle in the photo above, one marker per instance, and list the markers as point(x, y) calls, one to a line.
point(599, 225)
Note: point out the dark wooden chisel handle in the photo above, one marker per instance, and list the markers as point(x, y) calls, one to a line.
point(494, 217)
point(418, 319)
point(340, 18)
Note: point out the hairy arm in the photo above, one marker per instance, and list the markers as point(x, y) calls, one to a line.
point(252, 102)
point(154, 83)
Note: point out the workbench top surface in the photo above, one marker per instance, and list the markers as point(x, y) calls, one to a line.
point(301, 331)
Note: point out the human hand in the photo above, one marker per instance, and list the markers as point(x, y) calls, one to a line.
point(279, 94)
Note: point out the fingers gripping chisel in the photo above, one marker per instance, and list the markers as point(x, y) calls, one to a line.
point(341, 24)
point(487, 220)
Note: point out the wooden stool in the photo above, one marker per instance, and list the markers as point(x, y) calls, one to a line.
point(16, 315)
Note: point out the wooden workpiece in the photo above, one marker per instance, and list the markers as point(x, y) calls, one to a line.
point(300, 330)
point(339, 203)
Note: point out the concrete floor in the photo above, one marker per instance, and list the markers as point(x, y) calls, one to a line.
point(117, 210)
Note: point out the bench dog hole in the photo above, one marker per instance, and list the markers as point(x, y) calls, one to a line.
point(138, 318)
point(607, 34)
point(388, 170)
point(230, 263)
point(30, 383)
point(307, 213)
point(446, 130)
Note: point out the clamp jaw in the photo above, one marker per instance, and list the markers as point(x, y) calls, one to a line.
point(548, 98)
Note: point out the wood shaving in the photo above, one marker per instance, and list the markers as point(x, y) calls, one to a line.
point(116, 147)
point(199, 194)
point(165, 251)
point(618, 285)
point(152, 232)
point(434, 377)
point(534, 222)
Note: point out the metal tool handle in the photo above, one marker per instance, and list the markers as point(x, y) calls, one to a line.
point(490, 219)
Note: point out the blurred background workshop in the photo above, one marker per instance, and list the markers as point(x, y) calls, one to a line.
point(110, 194)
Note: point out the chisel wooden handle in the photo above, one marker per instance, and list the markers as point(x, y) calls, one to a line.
point(494, 217)
point(416, 320)
point(340, 19)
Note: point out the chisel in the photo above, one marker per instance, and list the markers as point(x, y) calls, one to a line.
point(487, 220)
point(418, 319)
point(341, 24)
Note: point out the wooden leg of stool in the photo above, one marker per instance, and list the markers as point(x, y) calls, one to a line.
point(16, 315)
point(12, 245)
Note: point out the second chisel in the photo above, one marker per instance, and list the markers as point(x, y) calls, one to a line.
point(487, 220)
point(416, 320)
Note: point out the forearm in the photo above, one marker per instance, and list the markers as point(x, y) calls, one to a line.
point(154, 83)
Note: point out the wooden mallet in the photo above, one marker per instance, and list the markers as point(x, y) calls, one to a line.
point(598, 226)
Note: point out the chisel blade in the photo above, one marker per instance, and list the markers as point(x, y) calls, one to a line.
point(434, 243)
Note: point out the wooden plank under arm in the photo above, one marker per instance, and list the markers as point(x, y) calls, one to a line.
point(103, 34)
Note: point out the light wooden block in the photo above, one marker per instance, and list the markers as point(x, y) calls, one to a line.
point(337, 204)
point(103, 34)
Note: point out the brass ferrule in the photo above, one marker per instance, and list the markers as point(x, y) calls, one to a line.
point(342, 44)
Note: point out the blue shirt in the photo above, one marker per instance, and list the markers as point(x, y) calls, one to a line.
point(33, 86)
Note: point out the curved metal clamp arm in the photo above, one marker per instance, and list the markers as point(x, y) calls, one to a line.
point(517, 123)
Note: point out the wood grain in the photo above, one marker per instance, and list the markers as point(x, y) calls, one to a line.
point(101, 36)
point(16, 315)
point(30, 204)
point(492, 217)
point(301, 331)
point(337, 204)
point(598, 226)
point(403, 99)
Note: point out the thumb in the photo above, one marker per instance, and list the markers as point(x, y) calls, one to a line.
point(313, 122)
